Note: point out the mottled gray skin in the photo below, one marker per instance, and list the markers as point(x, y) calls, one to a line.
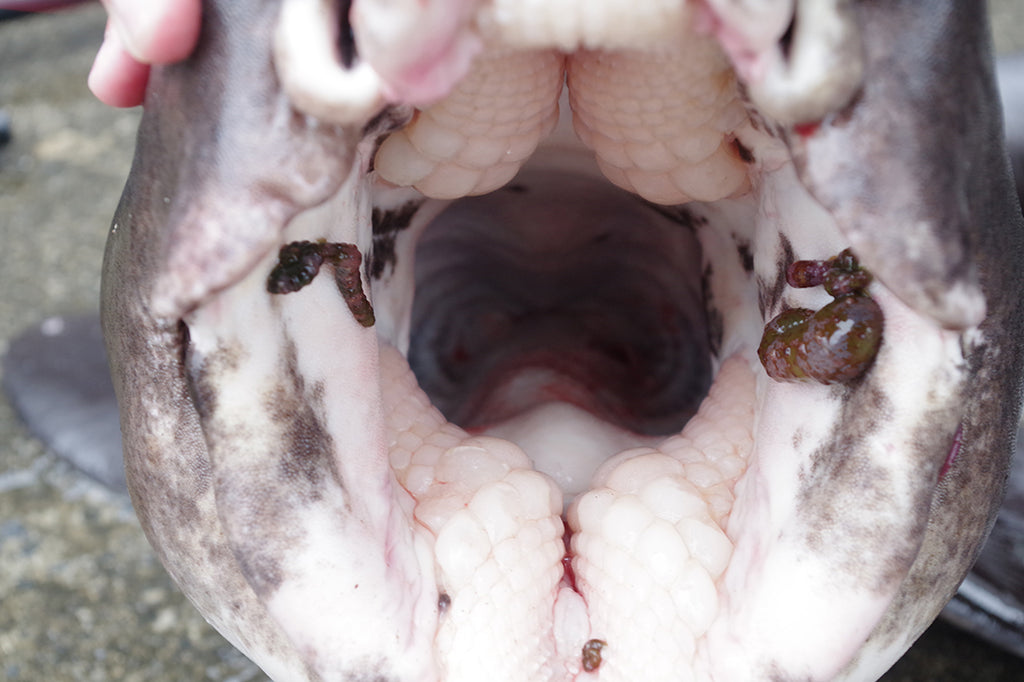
point(223, 163)
point(923, 141)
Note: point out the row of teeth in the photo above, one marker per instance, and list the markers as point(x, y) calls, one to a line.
point(661, 122)
point(648, 535)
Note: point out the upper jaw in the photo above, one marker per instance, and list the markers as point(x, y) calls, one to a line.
point(839, 507)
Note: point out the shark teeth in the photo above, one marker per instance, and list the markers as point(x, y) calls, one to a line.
point(648, 535)
point(662, 122)
point(476, 139)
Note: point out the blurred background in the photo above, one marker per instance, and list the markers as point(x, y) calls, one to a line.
point(82, 596)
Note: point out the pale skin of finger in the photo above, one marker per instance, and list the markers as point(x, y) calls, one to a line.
point(116, 78)
point(139, 33)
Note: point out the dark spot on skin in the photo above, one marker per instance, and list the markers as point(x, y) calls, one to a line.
point(5, 128)
point(307, 447)
point(202, 384)
point(746, 255)
point(346, 39)
point(680, 215)
point(843, 471)
point(386, 226)
point(385, 122)
point(756, 120)
point(591, 655)
point(769, 294)
point(393, 220)
point(783, 260)
point(262, 570)
point(786, 41)
point(307, 453)
point(443, 602)
point(762, 295)
point(745, 154)
point(715, 324)
point(184, 339)
point(291, 468)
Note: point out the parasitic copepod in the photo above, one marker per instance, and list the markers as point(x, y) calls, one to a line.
point(835, 344)
point(591, 656)
point(299, 262)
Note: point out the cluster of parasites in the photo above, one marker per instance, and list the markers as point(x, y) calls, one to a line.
point(299, 262)
point(835, 344)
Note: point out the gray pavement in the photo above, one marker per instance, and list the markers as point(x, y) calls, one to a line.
point(82, 596)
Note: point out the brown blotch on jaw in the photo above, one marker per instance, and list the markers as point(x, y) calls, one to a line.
point(299, 262)
point(386, 226)
point(592, 654)
point(743, 152)
point(715, 322)
point(745, 254)
point(770, 293)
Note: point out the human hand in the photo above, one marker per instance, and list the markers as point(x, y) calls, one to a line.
point(140, 33)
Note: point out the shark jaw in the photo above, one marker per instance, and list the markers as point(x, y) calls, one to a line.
point(588, 474)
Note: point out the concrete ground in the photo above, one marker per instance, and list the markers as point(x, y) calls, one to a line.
point(82, 596)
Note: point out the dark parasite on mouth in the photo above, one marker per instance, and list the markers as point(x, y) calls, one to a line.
point(836, 344)
point(592, 654)
point(299, 262)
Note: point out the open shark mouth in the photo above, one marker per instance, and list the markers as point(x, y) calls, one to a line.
point(437, 341)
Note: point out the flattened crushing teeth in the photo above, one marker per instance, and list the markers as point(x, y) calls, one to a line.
point(475, 140)
point(662, 121)
point(647, 540)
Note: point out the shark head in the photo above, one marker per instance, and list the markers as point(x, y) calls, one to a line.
point(435, 331)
